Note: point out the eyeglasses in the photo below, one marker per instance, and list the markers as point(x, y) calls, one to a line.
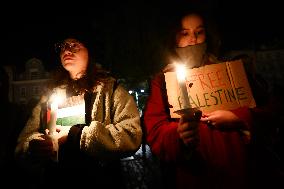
point(68, 46)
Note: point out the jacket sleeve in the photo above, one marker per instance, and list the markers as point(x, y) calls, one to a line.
point(244, 114)
point(119, 138)
point(30, 131)
point(161, 130)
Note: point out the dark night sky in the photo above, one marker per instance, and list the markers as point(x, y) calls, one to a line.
point(31, 32)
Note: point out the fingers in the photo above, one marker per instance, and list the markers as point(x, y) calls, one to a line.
point(185, 126)
point(209, 121)
point(40, 143)
point(188, 132)
point(206, 119)
point(189, 137)
point(42, 149)
point(208, 114)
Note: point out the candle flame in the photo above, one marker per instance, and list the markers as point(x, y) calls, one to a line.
point(181, 72)
point(57, 98)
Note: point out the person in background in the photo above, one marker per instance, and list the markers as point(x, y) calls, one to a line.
point(89, 153)
point(207, 151)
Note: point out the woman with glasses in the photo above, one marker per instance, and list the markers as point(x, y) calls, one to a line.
point(90, 150)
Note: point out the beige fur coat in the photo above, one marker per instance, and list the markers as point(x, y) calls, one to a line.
point(114, 130)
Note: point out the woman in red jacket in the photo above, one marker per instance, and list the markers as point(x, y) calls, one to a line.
point(208, 152)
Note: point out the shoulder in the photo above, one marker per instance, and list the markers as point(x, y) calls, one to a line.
point(158, 78)
point(108, 80)
point(212, 59)
point(105, 82)
point(169, 68)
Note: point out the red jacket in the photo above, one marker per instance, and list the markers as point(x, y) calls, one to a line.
point(219, 154)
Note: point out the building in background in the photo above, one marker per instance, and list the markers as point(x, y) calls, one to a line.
point(27, 87)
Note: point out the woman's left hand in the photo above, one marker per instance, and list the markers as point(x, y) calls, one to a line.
point(221, 119)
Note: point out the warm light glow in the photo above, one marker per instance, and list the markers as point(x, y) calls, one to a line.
point(56, 99)
point(181, 72)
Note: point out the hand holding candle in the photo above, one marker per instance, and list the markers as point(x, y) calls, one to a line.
point(51, 126)
point(55, 99)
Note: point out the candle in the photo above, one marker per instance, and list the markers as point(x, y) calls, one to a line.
point(53, 117)
point(181, 78)
point(52, 135)
point(55, 99)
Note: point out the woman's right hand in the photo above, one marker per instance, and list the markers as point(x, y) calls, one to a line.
point(62, 133)
point(42, 148)
point(188, 130)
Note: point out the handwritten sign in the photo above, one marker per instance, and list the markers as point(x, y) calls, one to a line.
point(212, 87)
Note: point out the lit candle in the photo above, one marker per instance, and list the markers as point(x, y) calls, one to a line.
point(53, 117)
point(55, 99)
point(181, 78)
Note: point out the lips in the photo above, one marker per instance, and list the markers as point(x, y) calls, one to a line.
point(67, 58)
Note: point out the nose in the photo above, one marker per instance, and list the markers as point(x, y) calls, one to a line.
point(192, 39)
point(66, 52)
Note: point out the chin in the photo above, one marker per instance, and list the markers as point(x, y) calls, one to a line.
point(67, 64)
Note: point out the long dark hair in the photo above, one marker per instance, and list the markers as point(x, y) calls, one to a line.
point(94, 74)
point(182, 9)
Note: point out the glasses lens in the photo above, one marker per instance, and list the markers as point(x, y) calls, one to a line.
point(63, 46)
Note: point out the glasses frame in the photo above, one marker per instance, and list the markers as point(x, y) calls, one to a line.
point(74, 46)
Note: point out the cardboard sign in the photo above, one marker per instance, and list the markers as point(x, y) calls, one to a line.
point(212, 87)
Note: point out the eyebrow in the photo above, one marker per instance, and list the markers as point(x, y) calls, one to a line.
point(198, 27)
point(72, 42)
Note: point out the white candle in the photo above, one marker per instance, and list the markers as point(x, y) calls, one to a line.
point(181, 78)
point(53, 117)
point(55, 99)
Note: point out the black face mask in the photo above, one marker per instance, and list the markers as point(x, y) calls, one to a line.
point(192, 56)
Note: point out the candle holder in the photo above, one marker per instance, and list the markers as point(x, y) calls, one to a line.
point(192, 114)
